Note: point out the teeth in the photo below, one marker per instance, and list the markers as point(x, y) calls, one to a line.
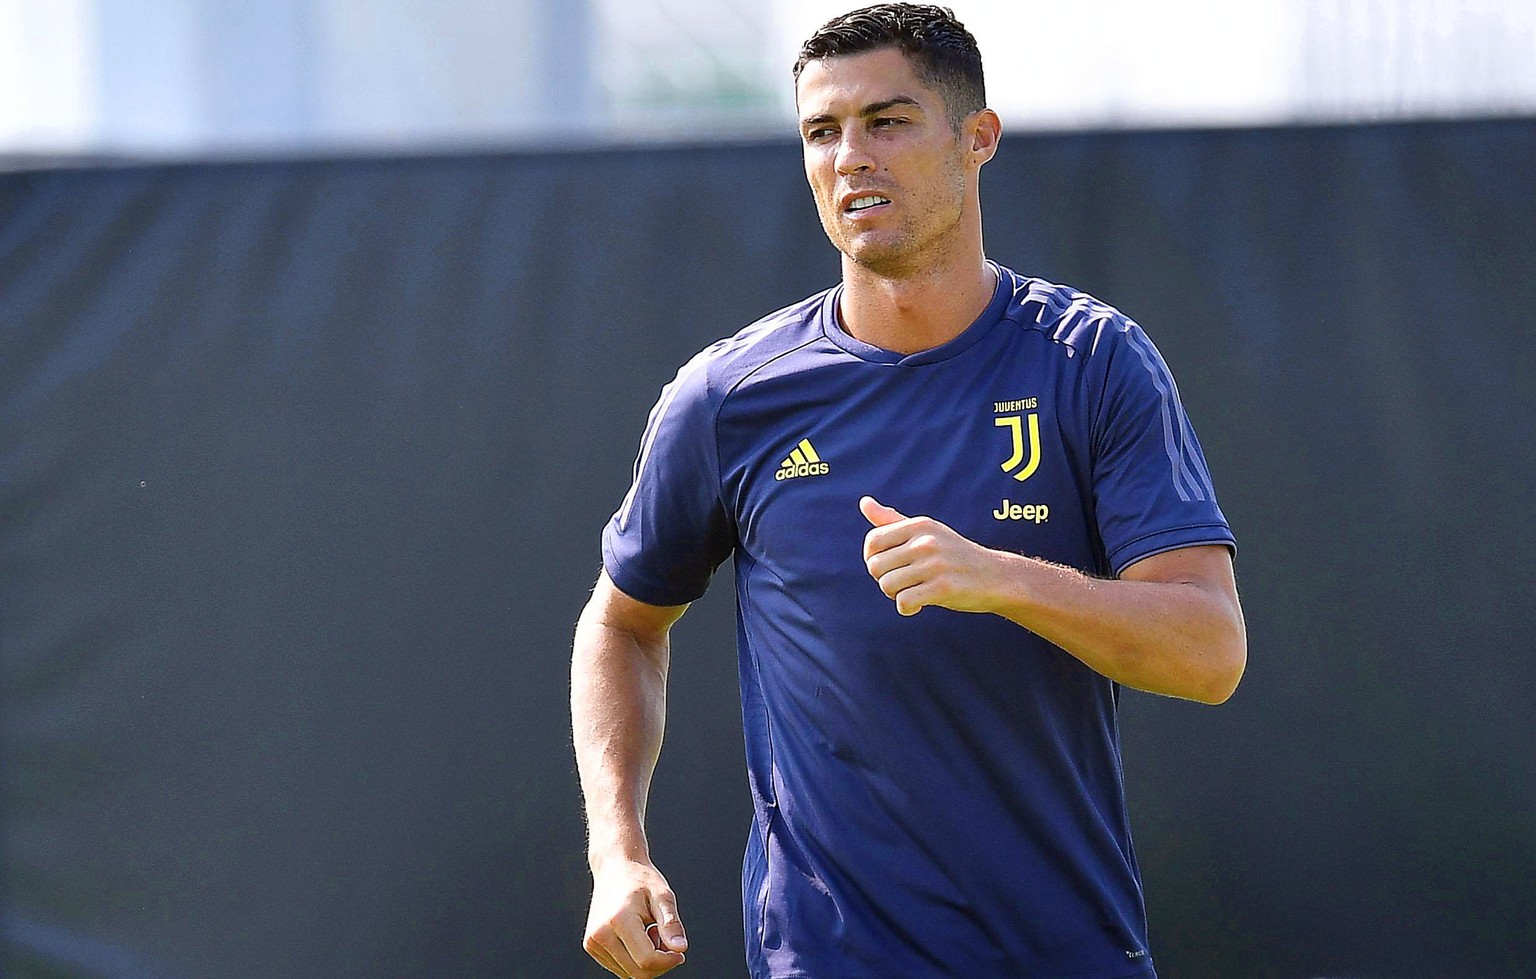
point(861, 203)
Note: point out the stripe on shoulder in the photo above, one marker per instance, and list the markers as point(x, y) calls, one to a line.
point(1069, 316)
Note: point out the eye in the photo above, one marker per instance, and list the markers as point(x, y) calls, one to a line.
point(818, 134)
point(882, 122)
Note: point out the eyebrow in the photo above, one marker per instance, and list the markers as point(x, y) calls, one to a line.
point(872, 109)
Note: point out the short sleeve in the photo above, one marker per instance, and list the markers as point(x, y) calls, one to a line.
point(672, 532)
point(1152, 489)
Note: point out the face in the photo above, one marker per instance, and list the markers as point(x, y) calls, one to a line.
point(890, 177)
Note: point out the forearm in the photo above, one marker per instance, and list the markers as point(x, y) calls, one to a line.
point(618, 713)
point(1179, 638)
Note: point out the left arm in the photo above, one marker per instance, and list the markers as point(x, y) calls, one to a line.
point(1170, 624)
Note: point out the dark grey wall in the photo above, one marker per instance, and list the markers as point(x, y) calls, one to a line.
point(302, 467)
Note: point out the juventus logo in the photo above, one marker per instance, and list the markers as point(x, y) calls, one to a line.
point(1015, 425)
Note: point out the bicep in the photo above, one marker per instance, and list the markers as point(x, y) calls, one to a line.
point(611, 608)
point(1208, 566)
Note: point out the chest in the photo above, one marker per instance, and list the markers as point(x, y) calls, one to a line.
point(1000, 454)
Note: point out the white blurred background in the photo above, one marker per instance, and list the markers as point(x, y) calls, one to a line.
point(209, 78)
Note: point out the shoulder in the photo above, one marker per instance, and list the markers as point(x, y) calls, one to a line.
point(714, 372)
point(1083, 325)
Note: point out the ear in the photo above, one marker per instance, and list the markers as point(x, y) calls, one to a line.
point(984, 129)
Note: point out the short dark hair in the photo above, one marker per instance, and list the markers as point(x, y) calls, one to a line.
point(942, 51)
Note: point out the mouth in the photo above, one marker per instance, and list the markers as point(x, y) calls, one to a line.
point(864, 203)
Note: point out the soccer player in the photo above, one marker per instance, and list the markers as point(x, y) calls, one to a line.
point(966, 507)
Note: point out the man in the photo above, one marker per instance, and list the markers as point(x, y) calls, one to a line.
point(965, 507)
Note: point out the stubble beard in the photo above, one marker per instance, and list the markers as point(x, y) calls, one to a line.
point(903, 251)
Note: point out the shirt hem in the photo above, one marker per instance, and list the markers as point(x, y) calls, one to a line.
point(1163, 541)
point(639, 589)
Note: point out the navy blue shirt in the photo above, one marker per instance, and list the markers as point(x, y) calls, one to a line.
point(937, 795)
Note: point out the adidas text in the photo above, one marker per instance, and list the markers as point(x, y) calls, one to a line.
point(802, 469)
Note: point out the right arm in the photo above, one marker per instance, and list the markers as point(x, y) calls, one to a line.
point(618, 712)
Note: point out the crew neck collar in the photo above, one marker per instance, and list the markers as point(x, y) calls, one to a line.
point(967, 338)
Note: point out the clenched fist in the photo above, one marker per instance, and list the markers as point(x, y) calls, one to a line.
point(633, 929)
point(919, 561)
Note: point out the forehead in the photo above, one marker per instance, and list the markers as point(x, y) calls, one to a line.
point(844, 84)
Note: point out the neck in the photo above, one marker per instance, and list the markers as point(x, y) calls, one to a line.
point(916, 311)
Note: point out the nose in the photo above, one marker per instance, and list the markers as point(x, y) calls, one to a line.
point(852, 153)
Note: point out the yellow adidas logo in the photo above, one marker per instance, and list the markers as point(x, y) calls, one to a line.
point(802, 461)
